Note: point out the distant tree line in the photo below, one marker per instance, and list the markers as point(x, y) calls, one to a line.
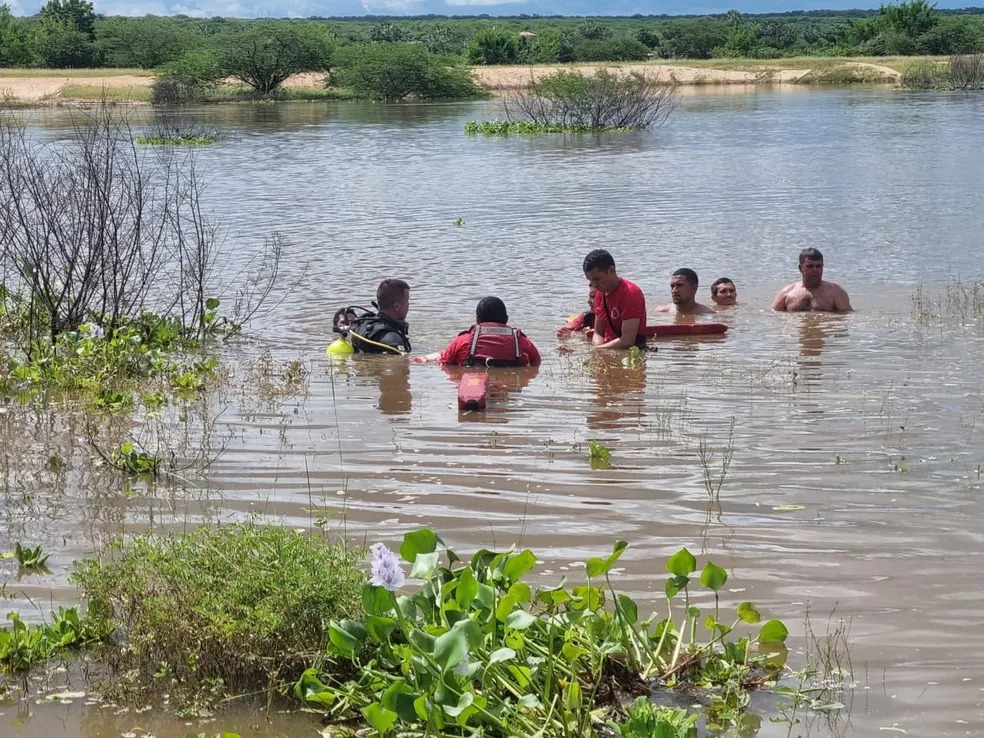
point(262, 53)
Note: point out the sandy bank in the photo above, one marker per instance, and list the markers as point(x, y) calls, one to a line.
point(504, 79)
point(52, 89)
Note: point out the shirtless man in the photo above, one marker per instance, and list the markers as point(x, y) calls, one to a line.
point(723, 292)
point(683, 291)
point(812, 293)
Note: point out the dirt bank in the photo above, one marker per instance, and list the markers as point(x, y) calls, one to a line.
point(38, 89)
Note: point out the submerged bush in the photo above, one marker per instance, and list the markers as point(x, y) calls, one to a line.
point(528, 128)
point(600, 101)
point(243, 606)
point(960, 72)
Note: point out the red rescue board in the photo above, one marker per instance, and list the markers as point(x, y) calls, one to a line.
point(685, 329)
point(473, 391)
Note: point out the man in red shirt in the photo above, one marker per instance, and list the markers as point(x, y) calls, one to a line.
point(620, 306)
point(490, 342)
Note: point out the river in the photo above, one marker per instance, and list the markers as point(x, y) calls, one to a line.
point(855, 490)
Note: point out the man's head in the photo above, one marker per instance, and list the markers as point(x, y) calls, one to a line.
point(724, 292)
point(491, 310)
point(599, 270)
point(393, 298)
point(811, 267)
point(683, 286)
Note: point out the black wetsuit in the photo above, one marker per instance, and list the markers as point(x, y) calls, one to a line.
point(379, 329)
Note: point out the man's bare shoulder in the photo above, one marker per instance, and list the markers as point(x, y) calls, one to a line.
point(668, 308)
point(703, 309)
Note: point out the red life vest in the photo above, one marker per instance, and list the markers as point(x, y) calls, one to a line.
point(494, 345)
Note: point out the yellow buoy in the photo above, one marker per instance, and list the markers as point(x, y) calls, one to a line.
point(339, 347)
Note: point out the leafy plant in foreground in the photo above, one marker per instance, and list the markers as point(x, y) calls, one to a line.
point(477, 649)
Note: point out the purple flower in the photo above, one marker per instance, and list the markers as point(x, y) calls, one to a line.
point(385, 567)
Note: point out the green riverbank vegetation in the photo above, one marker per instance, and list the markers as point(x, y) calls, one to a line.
point(262, 54)
point(471, 646)
point(575, 102)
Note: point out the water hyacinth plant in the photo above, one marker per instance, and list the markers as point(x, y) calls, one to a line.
point(477, 651)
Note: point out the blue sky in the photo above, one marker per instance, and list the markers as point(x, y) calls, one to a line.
point(304, 8)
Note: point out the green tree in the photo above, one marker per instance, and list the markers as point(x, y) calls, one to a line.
point(76, 14)
point(187, 78)
point(623, 48)
point(386, 33)
point(266, 53)
point(912, 18)
point(61, 45)
point(141, 42)
point(694, 39)
point(394, 72)
point(16, 49)
point(493, 47)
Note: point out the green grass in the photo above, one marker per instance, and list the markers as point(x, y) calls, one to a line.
point(125, 93)
point(898, 63)
point(242, 93)
point(106, 72)
point(240, 607)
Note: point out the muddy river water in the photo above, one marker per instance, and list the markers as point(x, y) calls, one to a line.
point(855, 489)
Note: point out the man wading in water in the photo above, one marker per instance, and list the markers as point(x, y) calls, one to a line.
point(812, 293)
point(619, 308)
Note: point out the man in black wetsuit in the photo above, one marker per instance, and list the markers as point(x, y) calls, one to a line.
point(384, 332)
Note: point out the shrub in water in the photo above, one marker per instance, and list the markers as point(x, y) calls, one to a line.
point(244, 604)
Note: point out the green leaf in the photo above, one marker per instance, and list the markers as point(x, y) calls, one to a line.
point(506, 605)
point(451, 648)
point(464, 701)
point(466, 590)
point(501, 654)
point(347, 637)
point(310, 688)
point(682, 563)
point(521, 592)
point(529, 702)
point(377, 600)
point(380, 628)
point(519, 564)
point(748, 614)
point(520, 620)
point(424, 642)
point(379, 718)
point(598, 566)
point(713, 576)
point(629, 608)
point(424, 565)
point(773, 632)
point(675, 584)
point(211, 303)
point(423, 541)
point(588, 597)
point(399, 698)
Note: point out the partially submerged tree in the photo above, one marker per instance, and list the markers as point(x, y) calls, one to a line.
point(94, 230)
point(265, 54)
point(603, 100)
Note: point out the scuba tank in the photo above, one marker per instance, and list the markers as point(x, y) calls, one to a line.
point(342, 346)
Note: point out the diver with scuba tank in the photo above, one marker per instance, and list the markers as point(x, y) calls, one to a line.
point(381, 332)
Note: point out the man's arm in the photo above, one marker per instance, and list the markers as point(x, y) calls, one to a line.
point(630, 331)
point(842, 303)
point(527, 347)
point(665, 308)
point(779, 303)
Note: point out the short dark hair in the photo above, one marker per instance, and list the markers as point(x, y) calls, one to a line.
point(810, 254)
point(389, 291)
point(719, 281)
point(491, 310)
point(689, 274)
point(598, 259)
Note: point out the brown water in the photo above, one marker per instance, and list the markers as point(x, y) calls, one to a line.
point(855, 487)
